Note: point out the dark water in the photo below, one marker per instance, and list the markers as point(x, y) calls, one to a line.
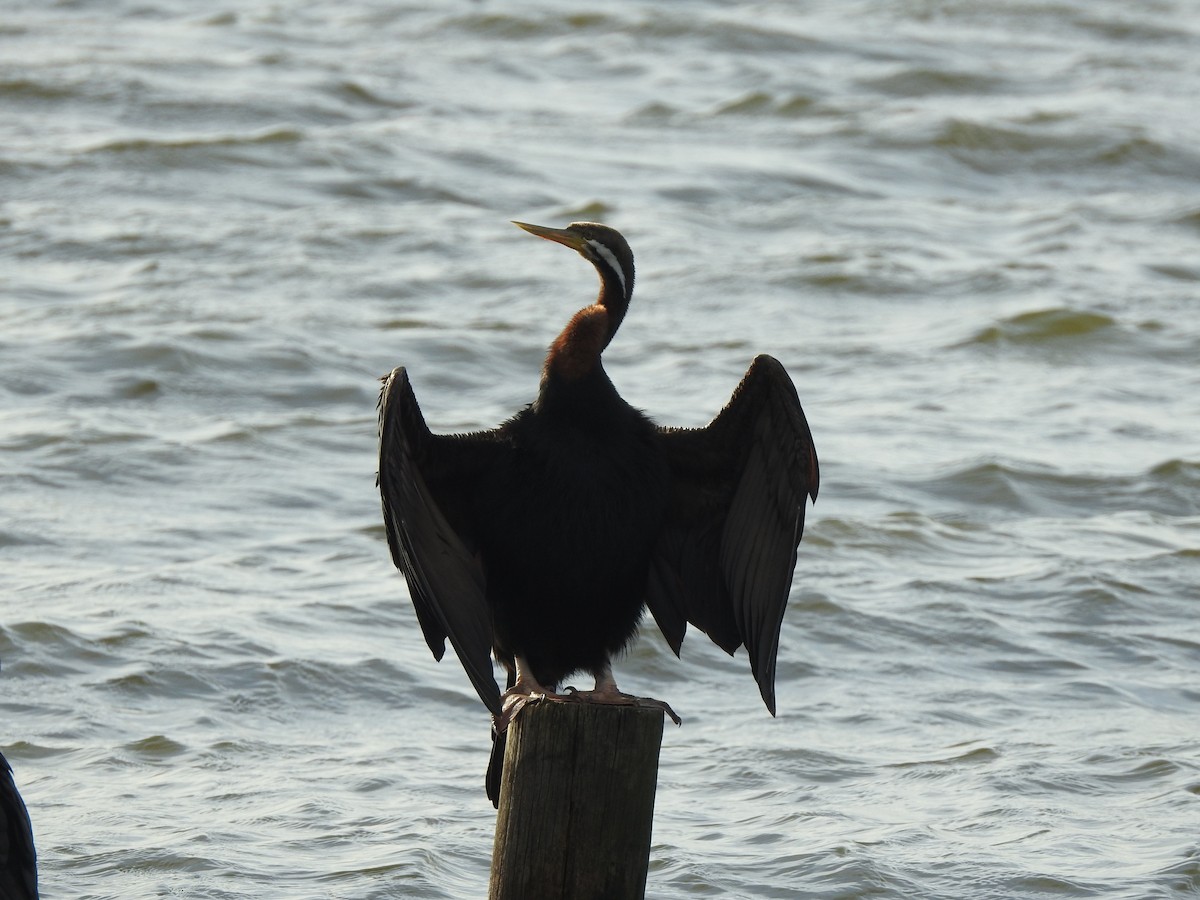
point(968, 229)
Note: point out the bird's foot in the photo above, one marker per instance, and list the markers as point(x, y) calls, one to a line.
point(611, 695)
point(514, 699)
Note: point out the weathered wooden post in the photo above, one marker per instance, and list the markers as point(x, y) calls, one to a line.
point(576, 803)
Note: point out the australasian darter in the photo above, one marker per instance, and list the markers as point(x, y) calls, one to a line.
point(543, 540)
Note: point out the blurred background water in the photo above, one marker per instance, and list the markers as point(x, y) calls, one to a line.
point(969, 229)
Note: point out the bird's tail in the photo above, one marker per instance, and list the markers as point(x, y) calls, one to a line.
point(496, 760)
point(496, 766)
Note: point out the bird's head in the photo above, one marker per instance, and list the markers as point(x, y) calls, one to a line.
point(605, 249)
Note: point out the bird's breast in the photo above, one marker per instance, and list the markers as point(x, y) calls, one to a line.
point(597, 500)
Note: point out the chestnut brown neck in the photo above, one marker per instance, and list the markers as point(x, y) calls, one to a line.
point(576, 351)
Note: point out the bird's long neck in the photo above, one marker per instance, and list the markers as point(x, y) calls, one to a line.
point(616, 288)
point(575, 389)
point(576, 351)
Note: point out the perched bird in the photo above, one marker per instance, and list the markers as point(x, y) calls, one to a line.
point(543, 540)
point(18, 860)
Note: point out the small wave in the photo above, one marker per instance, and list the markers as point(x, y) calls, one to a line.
point(841, 275)
point(925, 82)
point(1183, 472)
point(972, 756)
point(513, 26)
point(405, 323)
point(1189, 219)
point(1078, 148)
point(1182, 878)
point(966, 135)
point(135, 388)
point(653, 113)
point(1177, 271)
point(593, 210)
point(18, 89)
point(1042, 325)
point(898, 534)
point(394, 189)
point(172, 145)
point(55, 651)
point(155, 747)
point(1124, 28)
point(12, 538)
point(1022, 146)
point(1067, 334)
point(758, 103)
point(356, 93)
point(1171, 488)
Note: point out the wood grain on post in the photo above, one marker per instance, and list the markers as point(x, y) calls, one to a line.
point(576, 803)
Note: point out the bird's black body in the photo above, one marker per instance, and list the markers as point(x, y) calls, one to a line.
point(542, 541)
point(586, 494)
point(18, 860)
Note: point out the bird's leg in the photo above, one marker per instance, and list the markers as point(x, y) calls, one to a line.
point(606, 691)
point(605, 683)
point(525, 688)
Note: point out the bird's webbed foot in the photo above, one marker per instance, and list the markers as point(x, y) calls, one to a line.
point(606, 691)
point(524, 690)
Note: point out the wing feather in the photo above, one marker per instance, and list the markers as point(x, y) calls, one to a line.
point(18, 856)
point(424, 481)
point(741, 483)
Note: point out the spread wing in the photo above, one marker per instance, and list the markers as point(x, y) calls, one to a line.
point(726, 557)
point(18, 859)
point(426, 481)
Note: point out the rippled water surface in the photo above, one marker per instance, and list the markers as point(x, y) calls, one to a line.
point(968, 229)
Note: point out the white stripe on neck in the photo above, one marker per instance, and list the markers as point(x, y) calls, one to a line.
point(607, 256)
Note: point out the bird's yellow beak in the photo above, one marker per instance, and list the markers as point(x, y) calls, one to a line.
point(565, 236)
